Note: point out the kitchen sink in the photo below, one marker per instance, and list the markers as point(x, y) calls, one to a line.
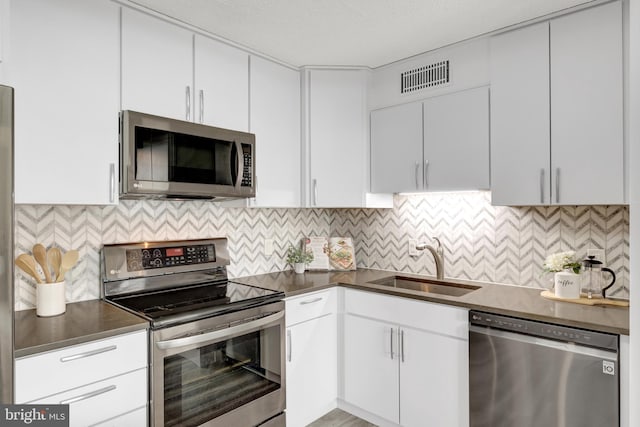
point(426, 285)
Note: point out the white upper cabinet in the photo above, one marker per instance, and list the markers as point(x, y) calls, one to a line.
point(396, 149)
point(170, 71)
point(63, 64)
point(336, 127)
point(556, 111)
point(221, 85)
point(587, 107)
point(456, 141)
point(157, 66)
point(520, 117)
point(275, 120)
point(4, 26)
point(441, 144)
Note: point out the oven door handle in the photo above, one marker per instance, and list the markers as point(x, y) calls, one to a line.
point(220, 333)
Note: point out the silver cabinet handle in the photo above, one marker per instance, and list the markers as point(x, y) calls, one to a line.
point(401, 345)
point(221, 333)
point(315, 192)
point(426, 168)
point(310, 301)
point(201, 106)
point(88, 395)
point(289, 345)
point(557, 185)
point(416, 173)
point(112, 182)
point(188, 102)
point(391, 335)
point(542, 185)
point(88, 353)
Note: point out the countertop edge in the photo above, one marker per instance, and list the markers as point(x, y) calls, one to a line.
point(82, 322)
point(520, 301)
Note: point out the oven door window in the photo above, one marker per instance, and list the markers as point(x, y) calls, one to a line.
point(206, 382)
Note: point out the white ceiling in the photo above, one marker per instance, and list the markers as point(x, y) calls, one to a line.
point(351, 32)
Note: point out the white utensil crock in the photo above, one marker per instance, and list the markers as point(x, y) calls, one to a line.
point(567, 284)
point(50, 299)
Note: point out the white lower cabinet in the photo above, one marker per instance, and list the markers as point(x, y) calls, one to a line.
point(625, 401)
point(405, 362)
point(104, 382)
point(312, 357)
point(371, 379)
point(100, 401)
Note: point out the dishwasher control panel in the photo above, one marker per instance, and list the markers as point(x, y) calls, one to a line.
point(544, 330)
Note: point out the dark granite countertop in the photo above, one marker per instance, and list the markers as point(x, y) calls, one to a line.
point(91, 320)
point(509, 300)
point(82, 322)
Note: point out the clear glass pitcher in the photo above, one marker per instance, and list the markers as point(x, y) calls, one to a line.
point(593, 283)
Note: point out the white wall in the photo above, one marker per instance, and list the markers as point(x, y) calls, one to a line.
point(633, 141)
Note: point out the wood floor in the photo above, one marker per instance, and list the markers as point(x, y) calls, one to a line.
point(338, 418)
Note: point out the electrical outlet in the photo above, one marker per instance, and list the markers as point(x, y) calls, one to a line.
point(268, 247)
point(599, 254)
point(412, 247)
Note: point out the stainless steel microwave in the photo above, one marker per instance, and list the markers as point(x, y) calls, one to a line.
point(167, 158)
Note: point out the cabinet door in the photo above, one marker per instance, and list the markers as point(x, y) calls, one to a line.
point(337, 134)
point(371, 377)
point(434, 379)
point(222, 85)
point(586, 107)
point(312, 378)
point(64, 67)
point(520, 117)
point(396, 149)
point(456, 141)
point(275, 119)
point(157, 66)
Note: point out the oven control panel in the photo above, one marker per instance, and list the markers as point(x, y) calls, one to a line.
point(159, 257)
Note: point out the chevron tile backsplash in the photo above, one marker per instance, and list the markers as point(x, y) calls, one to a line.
point(482, 242)
point(87, 228)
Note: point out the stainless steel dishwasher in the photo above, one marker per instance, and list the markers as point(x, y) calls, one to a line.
point(532, 374)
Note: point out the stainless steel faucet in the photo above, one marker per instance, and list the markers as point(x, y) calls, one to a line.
point(438, 256)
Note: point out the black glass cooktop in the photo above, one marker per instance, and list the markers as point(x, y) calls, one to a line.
point(197, 301)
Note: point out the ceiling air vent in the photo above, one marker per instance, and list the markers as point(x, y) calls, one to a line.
point(425, 77)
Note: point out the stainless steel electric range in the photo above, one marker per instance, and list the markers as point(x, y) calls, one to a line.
point(216, 347)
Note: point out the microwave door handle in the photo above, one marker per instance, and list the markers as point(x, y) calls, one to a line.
point(239, 164)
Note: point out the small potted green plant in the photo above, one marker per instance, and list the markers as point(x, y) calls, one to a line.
point(299, 258)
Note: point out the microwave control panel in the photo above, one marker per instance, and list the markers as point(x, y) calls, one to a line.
point(147, 259)
point(247, 169)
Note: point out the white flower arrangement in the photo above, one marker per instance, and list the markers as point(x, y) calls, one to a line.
point(561, 261)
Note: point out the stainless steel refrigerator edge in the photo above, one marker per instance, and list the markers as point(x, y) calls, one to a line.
point(6, 245)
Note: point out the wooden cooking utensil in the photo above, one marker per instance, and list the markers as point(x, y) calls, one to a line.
point(27, 264)
point(69, 259)
point(40, 254)
point(55, 259)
